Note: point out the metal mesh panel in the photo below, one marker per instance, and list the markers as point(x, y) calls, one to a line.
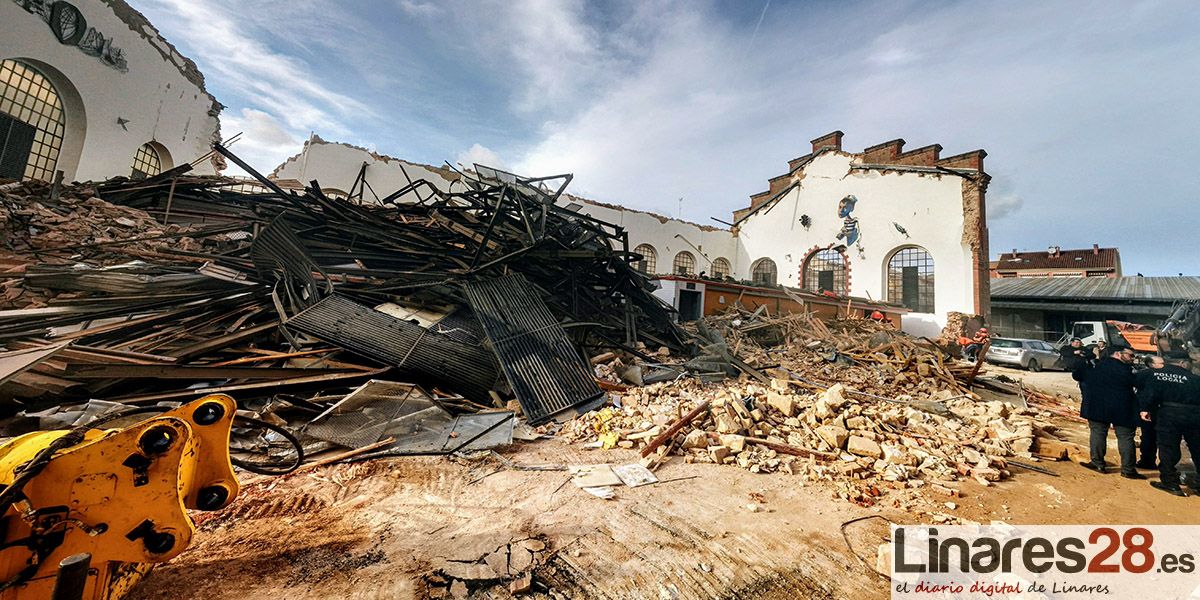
point(545, 370)
point(430, 356)
point(29, 97)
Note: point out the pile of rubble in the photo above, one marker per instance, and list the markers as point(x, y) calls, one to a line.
point(483, 296)
point(44, 226)
point(853, 402)
point(827, 435)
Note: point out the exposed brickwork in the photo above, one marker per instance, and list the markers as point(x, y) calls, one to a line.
point(888, 153)
point(883, 154)
point(975, 236)
point(829, 140)
point(845, 259)
point(926, 156)
point(796, 162)
point(966, 160)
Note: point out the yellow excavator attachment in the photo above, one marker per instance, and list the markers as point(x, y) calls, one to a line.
point(107, 504)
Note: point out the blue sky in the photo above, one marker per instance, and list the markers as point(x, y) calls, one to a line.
point(1089, 112)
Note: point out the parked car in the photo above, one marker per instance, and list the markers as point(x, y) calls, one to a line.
point(1034, 355)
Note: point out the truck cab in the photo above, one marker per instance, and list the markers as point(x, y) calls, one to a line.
point(1112, 333)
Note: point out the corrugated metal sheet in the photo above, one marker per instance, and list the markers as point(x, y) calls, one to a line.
point(467, 369)
point(543, 367)
point(1140, 289)
point(1159, 309)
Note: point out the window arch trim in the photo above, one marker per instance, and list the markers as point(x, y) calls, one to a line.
point(811, 283)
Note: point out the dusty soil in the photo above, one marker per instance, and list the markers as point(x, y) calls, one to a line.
point(1058, 382)
point(399, 528)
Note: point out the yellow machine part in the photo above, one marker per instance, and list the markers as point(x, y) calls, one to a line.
point(120, 495)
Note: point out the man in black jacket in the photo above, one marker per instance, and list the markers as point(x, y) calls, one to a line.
point(1172, 399)
point(1149, 443)
point(1109, 401)
point(1072, 355)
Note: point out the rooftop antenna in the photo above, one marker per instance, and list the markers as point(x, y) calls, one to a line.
point(679, 213)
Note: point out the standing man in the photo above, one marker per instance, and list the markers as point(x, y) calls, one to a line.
point(1072, 355)
point(1149, 444)
point(1109, 401)
point(1172, 398)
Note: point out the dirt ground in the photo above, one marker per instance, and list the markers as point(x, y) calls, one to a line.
point(402, 528)
point(1058, 382)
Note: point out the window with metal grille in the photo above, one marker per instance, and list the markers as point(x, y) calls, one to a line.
point(146, 162)
point(685, 264)
point(910, 279)
point(763, 272)
point(649, 262)
point(721, 268)
point(825, 270)
point(27, 96)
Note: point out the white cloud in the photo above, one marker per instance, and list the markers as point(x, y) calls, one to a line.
point(1000, 206)
point(281, 89)
point(264, 143)
point(416, 8)
point(479, 154)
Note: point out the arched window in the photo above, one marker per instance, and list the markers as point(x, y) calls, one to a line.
point(763, 272)
point(649, 262)
point(721, 268)
point(146, 162)
point(825, 270)
point(31, 116)
point(910, 279)
point(685, 264)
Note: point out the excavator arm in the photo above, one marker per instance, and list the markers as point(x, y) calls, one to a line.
point(1181, 331)
point(107, 504)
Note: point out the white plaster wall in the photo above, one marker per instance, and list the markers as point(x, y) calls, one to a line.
point(928, 206)
point(335, 165)
point(705, 243)
point(159, 103)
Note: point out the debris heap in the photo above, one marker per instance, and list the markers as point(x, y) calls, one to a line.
point(853, 402)
point(175, 286)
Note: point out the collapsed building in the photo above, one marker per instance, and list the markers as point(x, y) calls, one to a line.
point(93, 90)
point(901, 232)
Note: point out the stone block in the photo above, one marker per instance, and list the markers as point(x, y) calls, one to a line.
point(862, 446)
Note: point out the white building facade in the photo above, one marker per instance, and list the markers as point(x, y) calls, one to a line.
point(90, 88)
point(907, 228)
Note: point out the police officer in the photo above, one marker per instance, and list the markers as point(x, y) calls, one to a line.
point(1149, 443)
point(1172, 397)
